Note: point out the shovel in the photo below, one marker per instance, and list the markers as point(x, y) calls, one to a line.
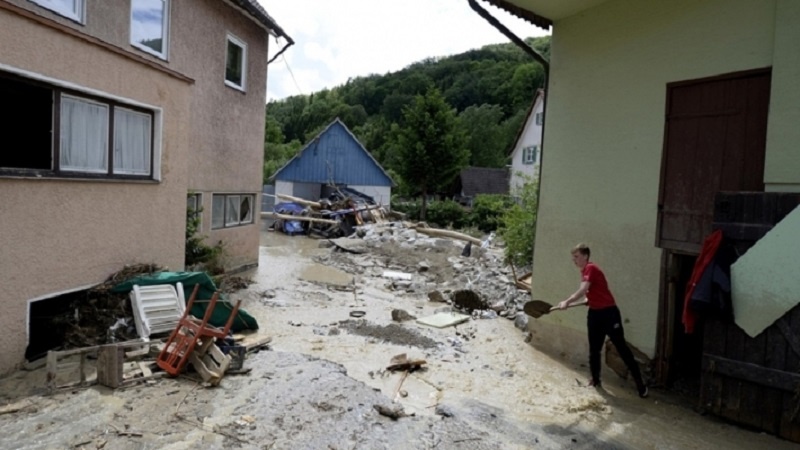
point(538, 308)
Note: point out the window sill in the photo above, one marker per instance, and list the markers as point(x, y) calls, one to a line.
point(150, 51)
point(77, 177)
point(235, 86)
point(230, 227)
point(69, 15)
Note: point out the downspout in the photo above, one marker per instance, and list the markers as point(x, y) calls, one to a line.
point(546, 65)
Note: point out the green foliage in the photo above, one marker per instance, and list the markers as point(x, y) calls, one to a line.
point(447, 214)
point(487, 211)
point(197, 251)
point(410, 208)
point(497, 81)
point(518, 228)
point(431, 147)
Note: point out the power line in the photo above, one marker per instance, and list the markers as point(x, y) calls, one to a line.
point(292, 74)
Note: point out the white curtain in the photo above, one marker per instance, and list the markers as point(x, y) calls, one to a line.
point(84, 136)
point(232, 210)
point(218, 212)
point(131, 142)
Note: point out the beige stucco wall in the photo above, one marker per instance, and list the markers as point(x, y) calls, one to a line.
point(227, 136)
point(604, 139)
point(59, 235)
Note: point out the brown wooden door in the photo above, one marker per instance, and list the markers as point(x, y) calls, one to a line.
point(715, 140)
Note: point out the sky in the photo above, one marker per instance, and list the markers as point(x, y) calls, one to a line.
point(340, 39)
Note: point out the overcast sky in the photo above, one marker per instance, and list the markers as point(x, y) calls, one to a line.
point(339, 39)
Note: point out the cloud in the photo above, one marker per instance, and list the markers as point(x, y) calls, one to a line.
point(342, 39)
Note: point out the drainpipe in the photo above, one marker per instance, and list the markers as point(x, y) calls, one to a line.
point(546, 65)
point(289, 43)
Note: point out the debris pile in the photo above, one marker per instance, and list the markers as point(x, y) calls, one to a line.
point(332, 217)
point(415, 259)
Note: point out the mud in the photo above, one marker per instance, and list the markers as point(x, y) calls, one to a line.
point(318, 387)
point(392, 333)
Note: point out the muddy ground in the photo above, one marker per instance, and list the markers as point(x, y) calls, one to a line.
point(318, 386)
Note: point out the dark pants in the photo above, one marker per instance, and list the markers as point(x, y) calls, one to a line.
point(608, 322)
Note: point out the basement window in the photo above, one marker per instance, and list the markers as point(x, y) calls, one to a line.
point(70, 134)
point(231, 210)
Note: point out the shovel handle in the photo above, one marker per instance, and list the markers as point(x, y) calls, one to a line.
point(556, 308)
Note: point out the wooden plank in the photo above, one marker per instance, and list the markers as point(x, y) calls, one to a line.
point(792, 338)
point(730, 402)
point(109, 366)
point(753, 395)
point(710, 384)
point(752, 373)
point(774, 358)
point(789, 427)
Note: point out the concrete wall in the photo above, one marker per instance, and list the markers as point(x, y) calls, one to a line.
point(531, 135)
point(227, 134)
point(60, 235)
point(605, 132)
point(381, 194)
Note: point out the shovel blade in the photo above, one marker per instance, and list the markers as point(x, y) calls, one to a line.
point(537, 308)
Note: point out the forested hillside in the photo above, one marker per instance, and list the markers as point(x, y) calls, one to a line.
point(489, 91)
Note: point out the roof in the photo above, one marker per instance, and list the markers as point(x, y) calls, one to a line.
point(540, 21)
point(484, 180)
point(539, 95)
point(260, 14)
point(334, 156)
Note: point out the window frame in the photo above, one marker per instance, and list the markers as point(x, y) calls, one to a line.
point(237, 223)
point(79, 17)
point(165, 22)
point(232, 39)
point(55, 170)
point(530, 154)
point(197, 211)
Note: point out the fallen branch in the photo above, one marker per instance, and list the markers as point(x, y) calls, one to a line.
point(466, 440)
point(15, 407)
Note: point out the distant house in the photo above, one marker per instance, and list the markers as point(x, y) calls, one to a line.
point(527, 151)
point(333, 158)
point(480, 180)
point(113, 113)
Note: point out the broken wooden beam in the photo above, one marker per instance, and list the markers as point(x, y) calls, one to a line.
point(269, 215)
point(301, 201)
point(436, 232)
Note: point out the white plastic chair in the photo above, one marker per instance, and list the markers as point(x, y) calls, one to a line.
point(157, 308)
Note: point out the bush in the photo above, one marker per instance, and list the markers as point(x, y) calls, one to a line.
point(410, 208)
point(487, 211)
point(446, 214)
point(197, 251)
point(518, 228)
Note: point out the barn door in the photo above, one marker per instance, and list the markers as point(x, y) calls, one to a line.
point(715, 140)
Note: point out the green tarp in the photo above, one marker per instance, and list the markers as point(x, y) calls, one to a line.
point(222, 311)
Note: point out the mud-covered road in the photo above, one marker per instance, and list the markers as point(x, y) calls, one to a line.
point(483, 387)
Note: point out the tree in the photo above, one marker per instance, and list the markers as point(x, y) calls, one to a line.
point(518, 226)
point(430, 144)
point(486, 135)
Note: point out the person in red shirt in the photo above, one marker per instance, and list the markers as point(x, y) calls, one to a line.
point(603, 319)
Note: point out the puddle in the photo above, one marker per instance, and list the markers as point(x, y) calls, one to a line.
point(317, 273)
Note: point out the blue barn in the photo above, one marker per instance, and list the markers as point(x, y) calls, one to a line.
point(333, 158)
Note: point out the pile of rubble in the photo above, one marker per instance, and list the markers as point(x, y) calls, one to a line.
point(468, 277)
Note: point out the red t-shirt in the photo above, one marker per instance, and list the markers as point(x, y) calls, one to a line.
point(598, 295)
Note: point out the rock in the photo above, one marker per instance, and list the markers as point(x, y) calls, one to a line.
point(488, 314)
point(444, 411)
point(507, 374)
point(512, 315)
point(319, 331)
point(436, 296)
point(445, 309)
point(325, 244)
point(393, 412)
point(497, 307)
point(403, 393)
point(521, 322)
point(409, 234)
point(401, 284)
point(468, 300)
point(528, 338)
point(423, 266)
point(503, 313)
point(268, 294)
point(399, 315)
point(333, 331)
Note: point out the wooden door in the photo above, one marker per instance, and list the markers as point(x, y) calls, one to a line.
point(715, 140)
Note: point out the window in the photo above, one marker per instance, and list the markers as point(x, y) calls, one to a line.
point(71, 134)
point(529, 154)
point(71, 9)
point(150, 26)
point(236, 63)
point(539, 118)
point(230, 210)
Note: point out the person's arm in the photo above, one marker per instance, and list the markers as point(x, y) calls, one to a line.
point(577, 296)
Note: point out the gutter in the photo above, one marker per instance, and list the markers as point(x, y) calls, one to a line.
point(530, 51)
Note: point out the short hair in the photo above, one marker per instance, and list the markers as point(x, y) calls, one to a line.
point(583, 249)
